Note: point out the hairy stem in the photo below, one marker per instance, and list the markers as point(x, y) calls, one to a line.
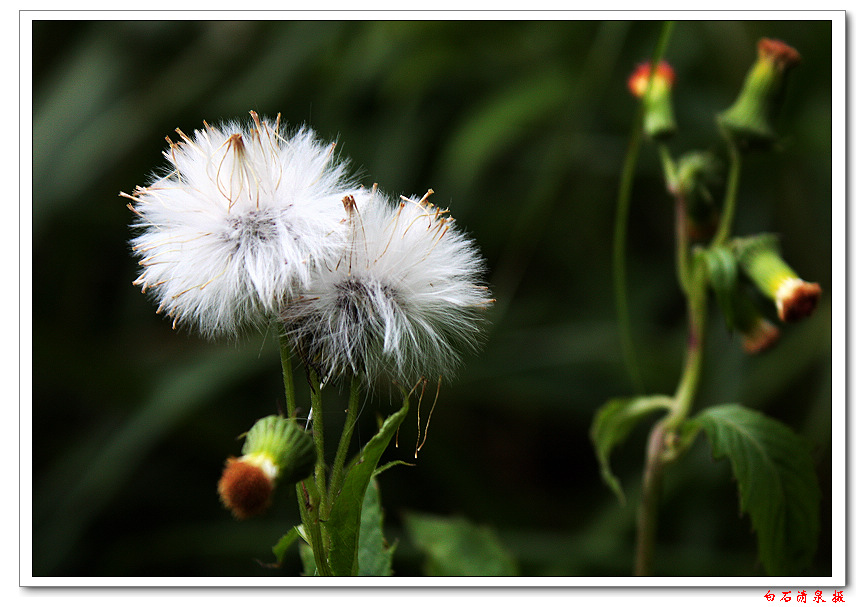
point(318, 433)
point(287, 375)
point(309, 509)
point(342, 450)
point(308, 504)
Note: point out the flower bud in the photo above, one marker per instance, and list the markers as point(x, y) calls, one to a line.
point(655, 89)
point(794, 298)
point(757, 333)
point(760, 337)
point(749, 120)
point(275, 448)
point(695, 173)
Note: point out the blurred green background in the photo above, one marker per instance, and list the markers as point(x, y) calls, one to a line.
point(521, 129)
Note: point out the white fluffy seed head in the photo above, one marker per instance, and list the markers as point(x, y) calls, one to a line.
point(402, 302)
point(239, 223)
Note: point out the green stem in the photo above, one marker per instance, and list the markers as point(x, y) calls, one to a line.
point(309, 505)
point(687, 389)
point(647, 513)
point(725, 225)
point(619, 240)
point(621, 225)
point(318, 433)
point(309, 509)
point(287, 374)
point(342, 450)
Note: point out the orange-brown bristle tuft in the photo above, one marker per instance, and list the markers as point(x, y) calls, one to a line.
point(244, 488)
point(801, 302)
point(779, 52)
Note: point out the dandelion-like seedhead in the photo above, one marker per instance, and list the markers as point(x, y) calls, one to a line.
point(240, 222)
point(403, 300)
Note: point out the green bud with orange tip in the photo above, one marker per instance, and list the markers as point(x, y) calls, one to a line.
point(276, 448)
point(656, 91)
point(749, 121)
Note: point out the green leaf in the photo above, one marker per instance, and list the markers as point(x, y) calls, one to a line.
point(723, 273)
point(344, 520)
point(455, 546)
point(776, 479)
point(284, 543)
point(612, 424)
point(307, 558)
point(375, 557)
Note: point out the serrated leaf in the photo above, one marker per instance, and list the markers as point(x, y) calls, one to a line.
point(375, 556)
point(344, 519)
point(455, 546)
point(723, 273)
point(777, 483)
point(613, 423)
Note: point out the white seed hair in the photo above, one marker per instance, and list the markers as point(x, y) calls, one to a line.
point(236, 227)
point(403, 301)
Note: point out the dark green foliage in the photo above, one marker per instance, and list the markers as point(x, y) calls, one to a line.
point(520, 128)
point(457, 547)
point(345, 521)
point(613, 423)
point(777, 485)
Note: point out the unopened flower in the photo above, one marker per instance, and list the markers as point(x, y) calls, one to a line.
point(794, 298)
point(238, 223)
point(275, 449)
point(749, 120)
point(757, 333)
point(760, 337)
point(696, 173)
point(656, 92)
point(403, 300)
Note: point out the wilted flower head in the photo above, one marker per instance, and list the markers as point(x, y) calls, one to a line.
point(238, 223)
point(402, 301)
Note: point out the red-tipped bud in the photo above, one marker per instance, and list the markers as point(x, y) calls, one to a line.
point(656, 92)
point(779, 53)
point(664, 78)
point(749, 120)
